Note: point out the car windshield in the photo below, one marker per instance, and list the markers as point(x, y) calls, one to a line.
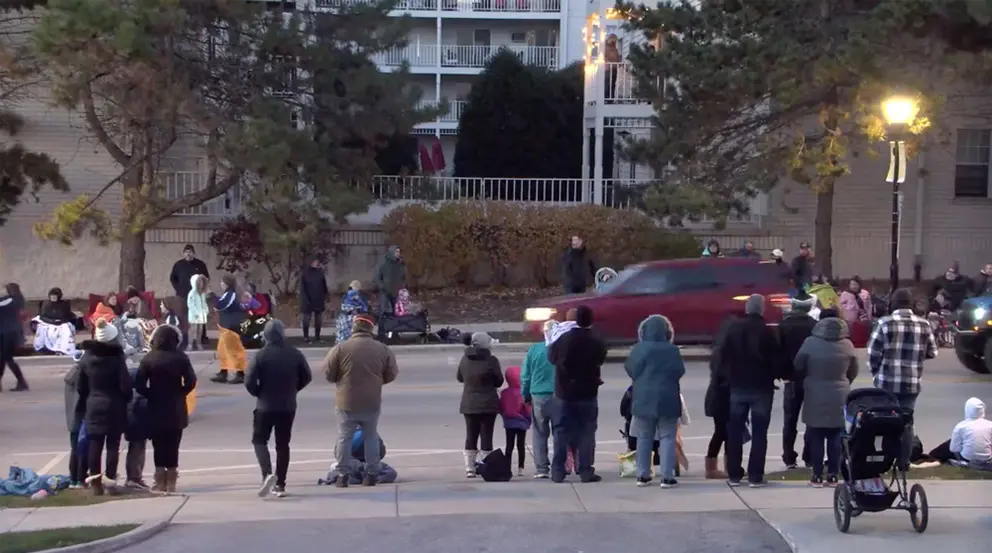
point(614, 284)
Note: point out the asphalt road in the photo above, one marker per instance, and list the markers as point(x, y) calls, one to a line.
point(420, 422)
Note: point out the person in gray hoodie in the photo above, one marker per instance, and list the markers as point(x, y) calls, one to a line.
point(826, 364)
point(276, 375)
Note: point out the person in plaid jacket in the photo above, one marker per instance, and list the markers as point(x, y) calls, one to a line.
point(898, 346)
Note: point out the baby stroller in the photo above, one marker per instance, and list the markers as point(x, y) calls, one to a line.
point(873, 447)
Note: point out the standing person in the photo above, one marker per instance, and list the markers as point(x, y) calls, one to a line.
point(390, 278)
point(897, 349)
point(481, 376)
point(983, 282)
point(749, 356)
point(578, 357)
point(74, 421)
point(855, 303)
point(313, 296)
point(359, 368)
point(655, 366)
point(578, 267)
point(231, 352)
point(105, 389)
point(165, 377)
point(181, 277)
point(276, 375)
point(136, 436)
point(793, 331)
point(516, 417)
point(748, 250)
point(11, 334)
point(827, 365)
point(197, 311)
point(537, 386)
point(802, 267)
point(717, 405)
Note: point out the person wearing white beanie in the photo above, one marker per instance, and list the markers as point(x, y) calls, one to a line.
point(105, 332)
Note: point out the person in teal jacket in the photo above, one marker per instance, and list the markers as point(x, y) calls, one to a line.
point(537, 385)
point(655, 366)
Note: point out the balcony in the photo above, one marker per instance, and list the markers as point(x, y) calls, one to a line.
point(457, 59)
point(457, 7)
point(418, 56)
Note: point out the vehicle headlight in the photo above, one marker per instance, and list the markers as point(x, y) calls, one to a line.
point(538, 314)
point(979, 313)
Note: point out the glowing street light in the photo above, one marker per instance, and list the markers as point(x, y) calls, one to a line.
point(899, 110)
point(899, 113)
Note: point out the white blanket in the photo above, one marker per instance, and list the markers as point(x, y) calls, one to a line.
point(560, 330)
point(55, 338)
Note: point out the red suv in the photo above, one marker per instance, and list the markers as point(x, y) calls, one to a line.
point(697, 295)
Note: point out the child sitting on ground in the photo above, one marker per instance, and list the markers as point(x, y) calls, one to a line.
point(516, 417)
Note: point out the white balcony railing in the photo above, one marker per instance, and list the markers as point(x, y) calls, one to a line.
point(486, 6)
point(180, 183)
point(477, 56)
point(418, 55)
point(402, 5)
point(454, 113)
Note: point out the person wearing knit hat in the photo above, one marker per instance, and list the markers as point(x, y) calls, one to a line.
point(352, 305)
point(105, 332)
point(749, 362)
point(796, 326)
point(480, 374)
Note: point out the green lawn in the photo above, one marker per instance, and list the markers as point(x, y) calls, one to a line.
point(40, 540)
point(72, 498)
point(942, 472)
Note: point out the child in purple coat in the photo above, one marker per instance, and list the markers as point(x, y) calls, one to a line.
point(516, 417)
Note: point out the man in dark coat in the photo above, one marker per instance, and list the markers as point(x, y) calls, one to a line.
point(802, 267)
point(795, 327)
point(983, 282)
point(182, 275)
point(578, 357)
point(955, 286)
point(390, 278)
point(748, 357)
point(577, 267)
point(313, 296)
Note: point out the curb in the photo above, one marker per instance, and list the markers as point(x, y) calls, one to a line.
point(791, 543)
point(118, 542)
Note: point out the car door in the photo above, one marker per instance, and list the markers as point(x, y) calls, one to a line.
point(641, 295)
point(689, 302)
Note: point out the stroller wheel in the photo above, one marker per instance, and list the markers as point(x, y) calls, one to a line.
point(919, 508)
point(842, 508)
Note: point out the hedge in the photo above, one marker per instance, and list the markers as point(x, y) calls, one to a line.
point(476, 243)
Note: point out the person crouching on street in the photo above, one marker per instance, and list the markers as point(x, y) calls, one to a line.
point(481, 376)
point(165, 377)
point(655, 366)
point(359, 367)
point(277, 374)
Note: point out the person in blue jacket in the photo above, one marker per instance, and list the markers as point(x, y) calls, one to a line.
point(655, 366)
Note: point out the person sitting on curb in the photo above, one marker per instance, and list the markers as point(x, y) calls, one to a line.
point(387, 474)
point(971, 440)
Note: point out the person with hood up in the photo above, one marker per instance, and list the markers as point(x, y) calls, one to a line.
point(802, 267)
point(956, 287)
point(197, 310)
point(971, 440)
point(655, 366)
point(712, 249)
point(537, 386)
point(313, 296)
point(231, 352)
point(747, 250)
point(390, 278)
point(516, 417)
point(577, 267)
point(352, 305)
point(603, 276)
point(827, 365)
point(105, 388)
point(277, 374)
point(749, 362)
point(182, 275)
point(795, 328)
point(983, 282)
point(481, 376)
point(11, 334)
point(165, 377)
point(57, 325)
point(578, 356)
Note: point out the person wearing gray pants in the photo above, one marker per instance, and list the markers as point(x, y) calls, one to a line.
point(537, 385)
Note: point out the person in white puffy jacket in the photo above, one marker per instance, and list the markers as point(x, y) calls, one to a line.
point(971, 439)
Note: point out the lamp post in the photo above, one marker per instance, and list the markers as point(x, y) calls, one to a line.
point(899, 113)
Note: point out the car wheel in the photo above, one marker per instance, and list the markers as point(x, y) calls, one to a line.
point(971, 361)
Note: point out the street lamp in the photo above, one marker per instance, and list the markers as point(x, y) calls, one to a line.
point(899, 113)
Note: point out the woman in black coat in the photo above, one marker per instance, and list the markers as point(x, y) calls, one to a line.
point(11, 333)
point(165, 377)
point(104, 386)
point(717, 407)
point(480, 373)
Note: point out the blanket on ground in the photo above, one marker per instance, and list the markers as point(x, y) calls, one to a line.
point(24, 482)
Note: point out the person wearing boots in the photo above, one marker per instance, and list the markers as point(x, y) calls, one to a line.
point(359, 367)
point(165, 377)
point(481, 376)
point(231, 352)
point(181, 279)
point(276, 375)
point(105, 389)
point(11, 334)
point(795, 327)
point(716, 405)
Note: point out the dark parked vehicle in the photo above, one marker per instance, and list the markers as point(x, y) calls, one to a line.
point(972, 330)
point(697, 295)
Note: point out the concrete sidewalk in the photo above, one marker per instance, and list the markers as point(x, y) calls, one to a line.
point(959, 517)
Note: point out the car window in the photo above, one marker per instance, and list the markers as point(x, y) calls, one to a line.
point(648, 280)
point(619, 281)
point(758, 273)
point(672, 280)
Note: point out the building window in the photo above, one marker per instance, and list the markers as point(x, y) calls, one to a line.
point(971, 172)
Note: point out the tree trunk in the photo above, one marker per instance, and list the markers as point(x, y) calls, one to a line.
point(824, 251)
point(132, 271)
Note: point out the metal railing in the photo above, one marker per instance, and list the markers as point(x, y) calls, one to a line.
point(465, 56)
point(487, 6)
point(180, 183)
point(418, 55)
point(454, 113)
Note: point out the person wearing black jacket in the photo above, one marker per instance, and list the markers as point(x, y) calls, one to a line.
point(578, 267)
point(955, 286)
point(749, 356)
point(578, 357)
point(983, 282)
point(313, 296)
point(182, 275)
point(11, 334)
point(795, 327)
point(716, 404)
point(165, 377)
point(276, 375)
point(802, 267)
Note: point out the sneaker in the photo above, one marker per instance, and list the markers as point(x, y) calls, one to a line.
point(239, 378)
point(669, 483)
point(469, 474)
point(342, 481)
point(279, 491)
point(541, 476)
point(816, 482)
point(307, 341)
point(76, 486)
point(592, 478)
point(643, 482)
point(756, 484)
point(733, 482)
point(831, 480)
point(136, 484)
point(520, 471)
point(267, 484)
point(791, 466)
